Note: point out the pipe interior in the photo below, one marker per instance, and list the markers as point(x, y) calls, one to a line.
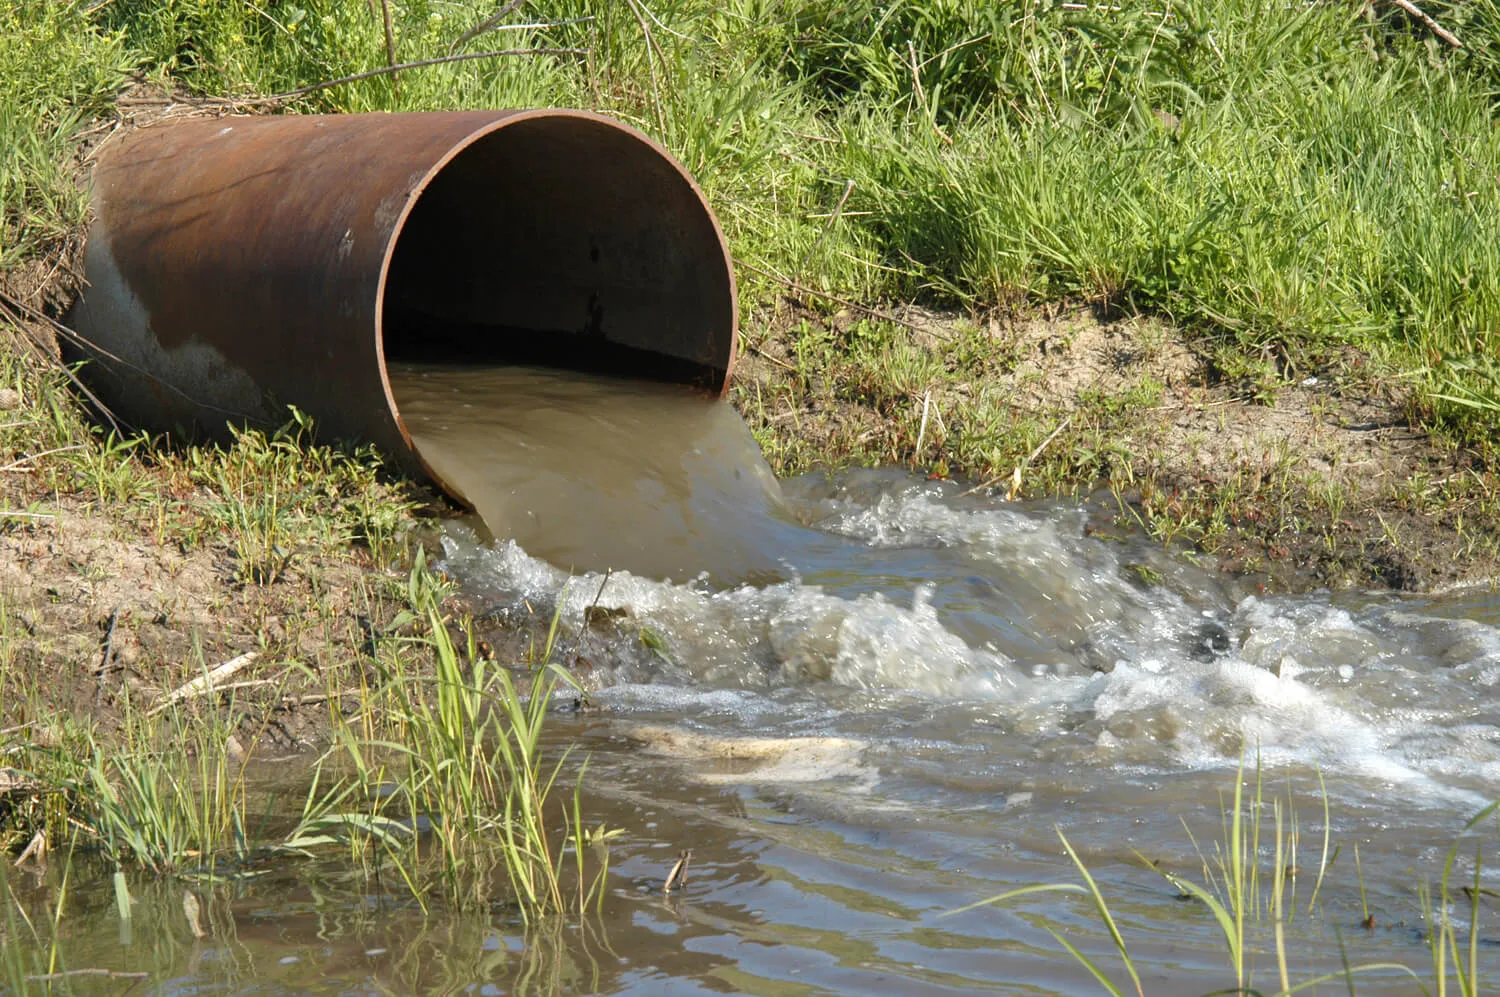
point(567, 242)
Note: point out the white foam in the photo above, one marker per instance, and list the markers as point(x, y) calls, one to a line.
point(1373, 690)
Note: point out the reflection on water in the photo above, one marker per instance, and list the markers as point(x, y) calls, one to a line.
point(795, 889)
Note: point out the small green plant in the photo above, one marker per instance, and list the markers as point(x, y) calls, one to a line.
point(110, 469)
point(462, 755)
point(1241, 893)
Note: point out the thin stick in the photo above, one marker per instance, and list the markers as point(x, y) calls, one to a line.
point(488, 24)
point(802, 289)
point(1024, 464)
point(652, 54)
point(775, 360)
point(916, 82)
point(83, 342)
point(109, 643)
point(815, 138)
point(588, 614)
point(6, 312)
point(113, 974)
point(420, 64)
point(1432, 25)
point(677, 878)
point(204, 684)
point(534, 26)
point(312, 699)
point(36, 851)
point(251, 684)
point(922, 429)
point(19, 465)
point(26, 515)
point(832, 221)
point(109, 652)
point(390, 45)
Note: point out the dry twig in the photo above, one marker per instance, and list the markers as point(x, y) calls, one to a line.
point(205, 683)
point(922, 430)
point(9, 307)
point(36, 851)
point(113, 974)
point(21, 464)
point(83, 342)
point(653, 53)
point(390, 44)
point(802, 289)
point(833, 220)
point(488, 24)
point(677, 878)
point(1015, 475)
point(419, 64)
point(1426, 19)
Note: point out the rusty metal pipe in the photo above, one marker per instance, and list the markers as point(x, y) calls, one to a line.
point(240, 265)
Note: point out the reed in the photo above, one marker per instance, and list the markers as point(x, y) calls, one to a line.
point(443, 775)
point(456, 780)
point(1248, 898)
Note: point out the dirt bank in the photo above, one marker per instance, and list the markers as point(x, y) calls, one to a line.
point(1304, 476)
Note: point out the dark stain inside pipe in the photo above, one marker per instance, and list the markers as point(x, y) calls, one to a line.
point(593, 472)
point(562, 243)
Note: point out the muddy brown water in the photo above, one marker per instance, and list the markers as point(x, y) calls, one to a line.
point(591, 473)
point(869, 700)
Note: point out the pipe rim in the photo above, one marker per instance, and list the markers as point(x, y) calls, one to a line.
point(512, 118)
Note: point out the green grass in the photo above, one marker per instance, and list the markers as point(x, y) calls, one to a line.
point(56, 72)
point(439, 771)
point(1249, 886)
point(1285, 181)
point(461, 750)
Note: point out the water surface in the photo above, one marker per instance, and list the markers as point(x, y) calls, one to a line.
point(866, 700)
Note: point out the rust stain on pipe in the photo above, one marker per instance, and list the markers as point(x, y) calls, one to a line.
point(239, 265)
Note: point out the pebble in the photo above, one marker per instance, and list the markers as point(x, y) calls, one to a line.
point(10, 399)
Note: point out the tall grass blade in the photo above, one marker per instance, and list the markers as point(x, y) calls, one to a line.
point(1104, 914)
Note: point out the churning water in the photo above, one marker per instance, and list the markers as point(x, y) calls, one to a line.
point(927, 683)
point(873, 593)
point(866, 700)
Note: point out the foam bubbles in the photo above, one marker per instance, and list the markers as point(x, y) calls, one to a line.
point(921, 593)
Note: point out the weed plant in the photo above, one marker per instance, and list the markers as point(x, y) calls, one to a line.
point(441, 775)
point(1248, 884)
point(459, 757)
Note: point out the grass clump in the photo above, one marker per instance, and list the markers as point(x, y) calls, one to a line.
point(461, 754)
point(1284, 181)
point(53, 78)
point(441, 774)
point(1249, 887)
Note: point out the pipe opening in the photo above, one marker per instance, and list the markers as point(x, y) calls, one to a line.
point(562, 240)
